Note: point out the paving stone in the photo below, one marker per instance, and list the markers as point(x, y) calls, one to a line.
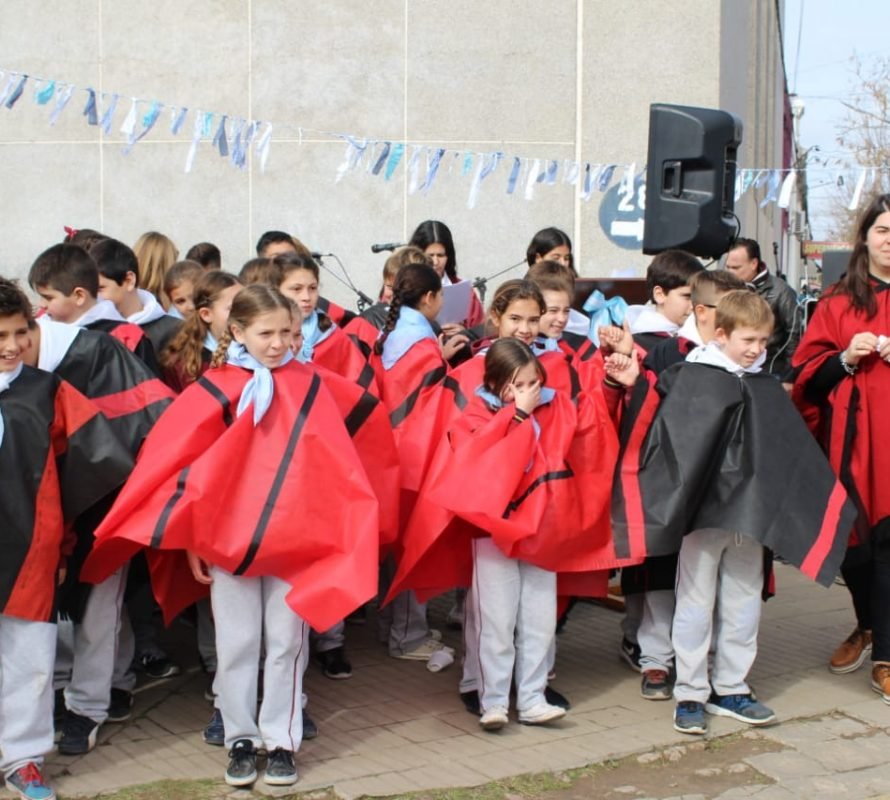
point(842, 755)
point(395, 727)
point(786, 765)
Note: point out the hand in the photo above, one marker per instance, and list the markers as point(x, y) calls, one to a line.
point(616, 340)
point(884, 347)
point(63, 573)
point(527, 398)
point(200, 570)
point(622, 369)
point(449, 349)
point(861, 345)
point(452, 329)
point(788, 387)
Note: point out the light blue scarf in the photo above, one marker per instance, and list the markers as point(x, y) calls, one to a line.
point(312, 336)
point(6, 379)
point(604, 313)
point(544, 344)
point(210, 343)
point(260, 388)
point(411, 328)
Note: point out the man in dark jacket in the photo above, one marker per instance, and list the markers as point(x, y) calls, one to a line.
point(745, 262)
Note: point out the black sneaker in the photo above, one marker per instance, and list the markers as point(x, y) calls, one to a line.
point(310, 729)
point(120, 706)
point(555, 698)
point(215, 732)
point(156, 666)
point(630, 653)
point(471, 702)
point(334, 664)
point(242, 764)
point(78, 735)
point(280, 768)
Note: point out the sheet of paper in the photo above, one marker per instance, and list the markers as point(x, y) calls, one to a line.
point(456, 302)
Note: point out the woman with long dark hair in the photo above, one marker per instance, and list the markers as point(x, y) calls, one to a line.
point(434, 238)
point(842, 387)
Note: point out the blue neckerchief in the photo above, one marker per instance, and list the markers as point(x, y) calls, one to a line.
point(260, 388)
point(544, 344)
point(174, 312)
point(6, 379)
point(604, 313)
point(210, 342)
point(312, 336)
point(411, 328)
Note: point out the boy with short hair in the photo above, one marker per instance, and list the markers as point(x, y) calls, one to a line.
point(119, 383)
point(67, 280)
point(119, 282)
point(704, 482)
point(651, 585)
point(58, 457)
point(706, 289)
point(667, 279)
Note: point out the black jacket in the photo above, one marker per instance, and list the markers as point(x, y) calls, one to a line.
point(786, 333)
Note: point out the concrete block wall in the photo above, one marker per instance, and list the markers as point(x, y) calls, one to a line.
point(569, 79)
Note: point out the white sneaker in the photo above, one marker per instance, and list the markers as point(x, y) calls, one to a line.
point(424, 650)
point(494, 719)
point(541, 714)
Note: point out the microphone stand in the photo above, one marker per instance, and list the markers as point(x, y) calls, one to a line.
point(363, 301)
point(481, 283)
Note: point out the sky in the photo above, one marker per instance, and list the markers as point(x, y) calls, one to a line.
point(821, 39)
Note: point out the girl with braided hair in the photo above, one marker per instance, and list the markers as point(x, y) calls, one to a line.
point(421, 399)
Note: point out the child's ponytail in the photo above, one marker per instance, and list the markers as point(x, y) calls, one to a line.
point(392, 317)
point(413, 282)
point(222, 348)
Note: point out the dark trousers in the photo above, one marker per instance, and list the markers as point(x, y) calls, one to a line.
point(866, 571)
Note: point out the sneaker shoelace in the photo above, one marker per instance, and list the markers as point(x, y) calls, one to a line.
point(30, 775)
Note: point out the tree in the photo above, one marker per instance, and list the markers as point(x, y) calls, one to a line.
point(865, 133)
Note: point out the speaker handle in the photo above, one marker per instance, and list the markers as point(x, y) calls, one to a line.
point(673, 177)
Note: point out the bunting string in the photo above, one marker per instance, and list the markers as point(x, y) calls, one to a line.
point(238, 139)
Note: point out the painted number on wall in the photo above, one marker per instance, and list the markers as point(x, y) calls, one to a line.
point(621, 214)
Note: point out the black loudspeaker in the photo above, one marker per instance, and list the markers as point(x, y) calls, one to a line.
point(834, 265)
point(690, 180)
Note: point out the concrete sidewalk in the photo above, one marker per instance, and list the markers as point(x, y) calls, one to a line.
point(396, 727)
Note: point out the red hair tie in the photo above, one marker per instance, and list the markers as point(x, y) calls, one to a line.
point(70, 233)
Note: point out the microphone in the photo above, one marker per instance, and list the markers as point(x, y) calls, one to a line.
point(319, 255)
point(379, 248)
